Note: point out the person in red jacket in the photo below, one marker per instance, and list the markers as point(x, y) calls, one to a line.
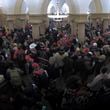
point(40, 75)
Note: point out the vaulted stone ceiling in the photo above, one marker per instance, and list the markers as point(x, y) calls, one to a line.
point(41, 6)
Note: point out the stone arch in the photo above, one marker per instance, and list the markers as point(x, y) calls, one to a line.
point(45, 6)
point(73, 6)
point(24, 8)
point(83, 6)
point(50, 8)
point(18, 6)
point(65, 8)
point(105, 6)
point(8, 6)
point(97, 5)
point(92, 7)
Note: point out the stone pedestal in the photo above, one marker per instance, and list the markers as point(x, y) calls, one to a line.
point(81, 31)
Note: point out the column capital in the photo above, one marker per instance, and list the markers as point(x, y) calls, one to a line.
point(35, 21)
point(34, 17)
point(80, 22)
point(78, 18)
point(106, 18)
point(10, 19)
point(99, 15)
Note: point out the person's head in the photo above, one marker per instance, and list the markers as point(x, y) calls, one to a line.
point(29, 59)
point(95, 44)
point(107, 83)
point(2, 58)
point(104, 70)
point(35, 66)
point(11, 64)
point(61, 51)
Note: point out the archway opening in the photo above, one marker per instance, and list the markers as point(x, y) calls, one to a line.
point(58, 11)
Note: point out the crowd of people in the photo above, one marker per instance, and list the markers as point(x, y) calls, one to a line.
point(58, 68)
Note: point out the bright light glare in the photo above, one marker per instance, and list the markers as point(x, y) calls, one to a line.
point(88, 12)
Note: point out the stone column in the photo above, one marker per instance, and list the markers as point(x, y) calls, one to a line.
point(10, 24)
point(23, 23)
point(73, 27)
point(94, 22)
point(47, 22)
point(42, 28)
point(81, 31)
point(105, 24)
point(1, 20)
point(35, 30)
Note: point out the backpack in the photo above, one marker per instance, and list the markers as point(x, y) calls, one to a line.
point(21, 56)
point(15, 78)
point(41, 74)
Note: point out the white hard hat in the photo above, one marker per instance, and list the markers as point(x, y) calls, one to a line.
point(94, 44)
point(33, 45)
